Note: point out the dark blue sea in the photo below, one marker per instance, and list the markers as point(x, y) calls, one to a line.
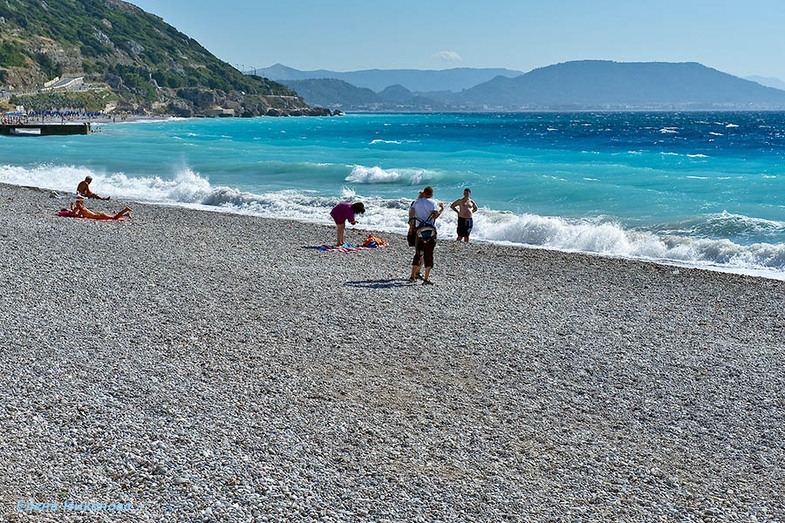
point(692, 189)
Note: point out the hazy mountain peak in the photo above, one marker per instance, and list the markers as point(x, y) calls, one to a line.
point(776, 83)
point(455, 80)
point(574, 85)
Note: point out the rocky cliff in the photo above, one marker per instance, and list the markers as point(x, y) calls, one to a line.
point(125, 59)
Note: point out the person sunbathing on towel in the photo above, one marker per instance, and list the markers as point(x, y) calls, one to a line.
point(80, 211)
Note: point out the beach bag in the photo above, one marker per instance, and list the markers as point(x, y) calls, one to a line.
point(373, 242)
point(426, 232)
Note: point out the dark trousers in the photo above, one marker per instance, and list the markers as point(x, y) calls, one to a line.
point(423, 248)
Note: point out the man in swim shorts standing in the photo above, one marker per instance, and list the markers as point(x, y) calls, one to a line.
point(465, 207)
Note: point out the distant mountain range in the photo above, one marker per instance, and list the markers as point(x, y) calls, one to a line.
point(767, 81)
point(577, 85)
point(454, 80)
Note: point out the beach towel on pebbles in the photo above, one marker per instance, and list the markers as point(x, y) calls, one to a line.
point(372, 242)
point(67, 213)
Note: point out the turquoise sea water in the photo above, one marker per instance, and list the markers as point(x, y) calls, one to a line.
point(698, 189)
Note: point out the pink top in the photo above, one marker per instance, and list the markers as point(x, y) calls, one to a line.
point(342, 212)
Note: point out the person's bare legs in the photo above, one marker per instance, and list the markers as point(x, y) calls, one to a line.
point(122, 214)
point(340, 228)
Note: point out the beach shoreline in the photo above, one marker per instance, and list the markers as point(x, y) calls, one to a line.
point(743, 235)
point(209, 366)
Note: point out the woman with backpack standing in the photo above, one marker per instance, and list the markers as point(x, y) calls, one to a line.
point(426, 211)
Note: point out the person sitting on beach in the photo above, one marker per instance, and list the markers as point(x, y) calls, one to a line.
point(465, 207)
point(80, 211)
point(83, 189)
point(342, 213)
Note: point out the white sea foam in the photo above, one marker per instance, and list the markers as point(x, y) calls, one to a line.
point(62, 178)
point(611, 239)
point(186, 187)
point(373, 175)
point(680, 245)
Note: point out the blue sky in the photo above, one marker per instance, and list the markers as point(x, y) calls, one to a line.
point(740, 37)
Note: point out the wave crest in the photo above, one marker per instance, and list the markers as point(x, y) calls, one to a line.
point(688, 243)
point(376, 175)
point(611, 239)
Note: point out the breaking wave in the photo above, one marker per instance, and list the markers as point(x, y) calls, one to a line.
point(697, 243)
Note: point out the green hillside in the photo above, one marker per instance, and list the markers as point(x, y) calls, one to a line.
point(129, 60)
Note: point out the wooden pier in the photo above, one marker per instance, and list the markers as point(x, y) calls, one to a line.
point(45, 129)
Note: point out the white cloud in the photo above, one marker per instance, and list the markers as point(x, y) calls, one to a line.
point(448, 56)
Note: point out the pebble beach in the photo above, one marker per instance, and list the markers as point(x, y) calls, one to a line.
point(201, 366)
